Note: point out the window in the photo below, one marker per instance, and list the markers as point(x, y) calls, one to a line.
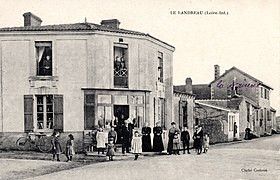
point(183, 113)
point(261, 92)
point(160, 67)
point(48, 112)
point(45, 112)
point(120, 65)
point(161, 112)
point(89, 111)
point(44, 58)
point(261, 117)
point(137, 115)
point(230, 123)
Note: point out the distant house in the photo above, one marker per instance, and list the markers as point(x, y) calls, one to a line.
point(236, 82)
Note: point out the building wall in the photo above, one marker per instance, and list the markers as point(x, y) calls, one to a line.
point(221, 93)
point(79, 61)
point(177, 113)
point(214, 122)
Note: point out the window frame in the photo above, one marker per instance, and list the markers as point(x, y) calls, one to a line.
point(48, 44)
point(44, 112)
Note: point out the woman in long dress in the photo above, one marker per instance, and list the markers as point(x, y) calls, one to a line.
point(146, 138)
point(157, 142)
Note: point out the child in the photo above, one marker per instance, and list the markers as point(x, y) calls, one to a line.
point(136, 145)
point(206, 143)
point(70, 148)
point(56, 147)
point(100, 138)
point(112, 134)
point(185, 138)
point(176, 144)
point(111, 149)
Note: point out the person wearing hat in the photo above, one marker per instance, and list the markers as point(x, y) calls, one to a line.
point(110, 149)
point(198, 139)
point(171, 134)
point(126, 137)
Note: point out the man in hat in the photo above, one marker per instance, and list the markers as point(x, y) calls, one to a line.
point(171, 134)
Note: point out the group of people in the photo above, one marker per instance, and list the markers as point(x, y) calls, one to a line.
point(137, 142)
point(57, 150)
point(119, 63)
point(121, 132)
point(201, 140)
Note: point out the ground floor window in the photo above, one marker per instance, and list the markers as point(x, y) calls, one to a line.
point(43, 112)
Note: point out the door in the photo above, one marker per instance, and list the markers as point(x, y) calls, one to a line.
point(121, 112)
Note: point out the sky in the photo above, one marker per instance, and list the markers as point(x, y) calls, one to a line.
point(248, 37)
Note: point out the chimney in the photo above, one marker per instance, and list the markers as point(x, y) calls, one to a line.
point(188, 86)
point(31, 19)
point(111, 23)
point(217, 71)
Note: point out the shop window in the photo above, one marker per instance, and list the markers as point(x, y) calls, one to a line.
point(120, 65)
point(89, 111)
point(160, 67)
point(44, 58)
point(137, 115)
point(105, 112)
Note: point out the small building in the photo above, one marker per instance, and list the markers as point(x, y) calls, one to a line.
point(71, 77)
point(183, 106)
point(217, 121)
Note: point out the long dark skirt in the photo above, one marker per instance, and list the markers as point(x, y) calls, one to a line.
point(157, 143)
point(170, 145)
point(146, 143)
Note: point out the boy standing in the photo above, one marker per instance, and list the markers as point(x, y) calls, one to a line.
point(185, 138)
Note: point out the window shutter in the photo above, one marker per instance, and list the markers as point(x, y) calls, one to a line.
point(180, 113)
point(89, 111)
point(28, 113)
point(58, 112)
point(165, 113)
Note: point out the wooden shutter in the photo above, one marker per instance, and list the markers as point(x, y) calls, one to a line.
point(28, 113)
point(89, 111)
point(58, 112)
point(180, 120)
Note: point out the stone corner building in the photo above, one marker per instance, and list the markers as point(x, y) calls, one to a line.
point(65, 77)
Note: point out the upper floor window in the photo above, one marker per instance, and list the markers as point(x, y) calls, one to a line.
point(44, 58)
point(261, 92)
point(120, 65)
point(160, 67)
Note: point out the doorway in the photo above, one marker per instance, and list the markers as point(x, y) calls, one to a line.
point(121, 112)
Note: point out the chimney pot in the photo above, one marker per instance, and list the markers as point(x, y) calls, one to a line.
point(31, 19)
point(217, 71)
point(188, 86)
point(111, 23)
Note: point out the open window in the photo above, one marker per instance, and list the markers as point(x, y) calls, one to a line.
point(120, 65)
point(44, 58)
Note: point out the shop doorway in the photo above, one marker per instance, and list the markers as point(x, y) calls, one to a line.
point(121, 112)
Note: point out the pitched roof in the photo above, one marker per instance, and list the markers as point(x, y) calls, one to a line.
point(242, 72)
point(201, 91)
point(78, 27)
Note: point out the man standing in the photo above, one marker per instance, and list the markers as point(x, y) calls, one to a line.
point(171, 134)
point(126, 137)
point(185, 138)
point(234, 130)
